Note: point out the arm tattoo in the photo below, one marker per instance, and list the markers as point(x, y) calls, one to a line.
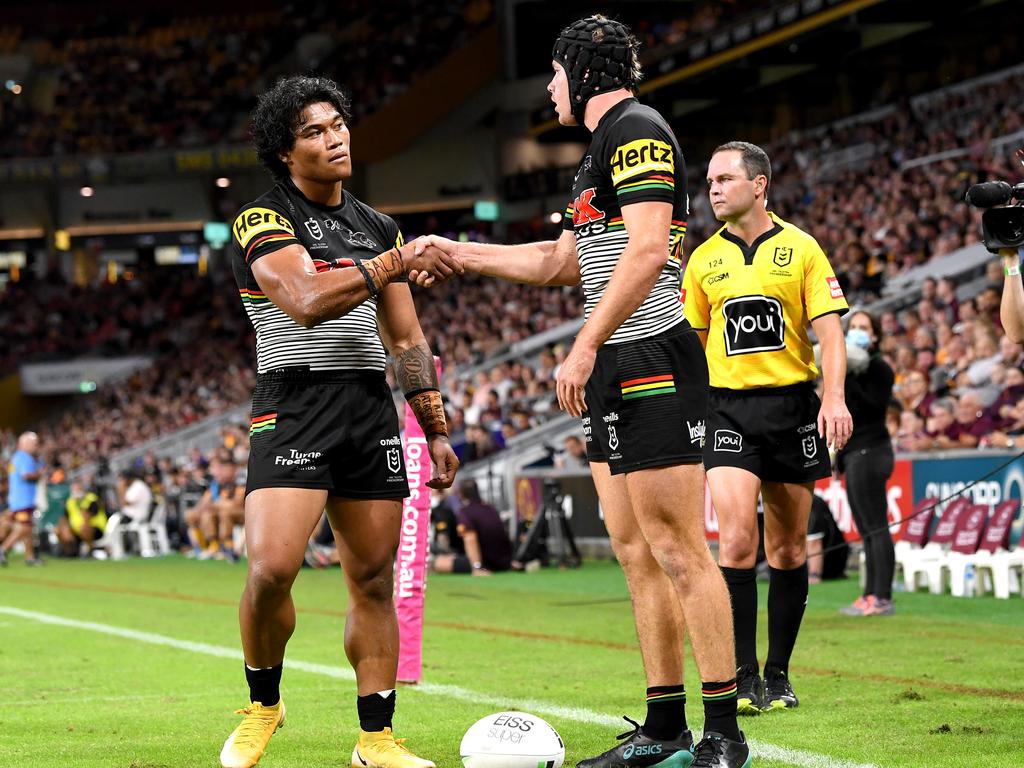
point(415, 370)
point(417, 377)
point(385, 268)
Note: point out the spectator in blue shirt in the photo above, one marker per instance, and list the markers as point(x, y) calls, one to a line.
point(23, 473)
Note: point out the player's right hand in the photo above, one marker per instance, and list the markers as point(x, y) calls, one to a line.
point(424, 245)
point(426, 263)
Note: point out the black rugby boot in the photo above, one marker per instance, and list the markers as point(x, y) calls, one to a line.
point(641, 751)
point(716, 751)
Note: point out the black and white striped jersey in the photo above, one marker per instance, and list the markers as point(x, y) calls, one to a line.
point(633, 157)
point(335, 237)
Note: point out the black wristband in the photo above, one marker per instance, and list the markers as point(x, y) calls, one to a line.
point(374, 293)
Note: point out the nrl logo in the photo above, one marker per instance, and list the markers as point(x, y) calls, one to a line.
point(783, 256)
point(313, 227)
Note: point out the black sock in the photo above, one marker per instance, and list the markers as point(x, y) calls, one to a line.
point(720, 708)
point(742, 583)
point(666, 712)
point(376, 711)
point(264, 684)
point(787, 599)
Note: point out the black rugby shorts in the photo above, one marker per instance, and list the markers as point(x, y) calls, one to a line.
point(647, 402)
point(771, 432)
point(335, 430)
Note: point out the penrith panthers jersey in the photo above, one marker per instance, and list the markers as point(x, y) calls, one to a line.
point(756, 301)
point(633, 157)
point(335, 237)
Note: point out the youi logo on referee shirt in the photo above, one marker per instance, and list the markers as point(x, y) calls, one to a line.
point(753, 324)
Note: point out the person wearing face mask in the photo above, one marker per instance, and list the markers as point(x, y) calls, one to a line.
point(868, 460)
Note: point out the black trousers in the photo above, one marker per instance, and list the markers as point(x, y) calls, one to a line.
point(867, 470)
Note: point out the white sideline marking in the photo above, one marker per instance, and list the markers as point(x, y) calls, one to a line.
point(794, 757)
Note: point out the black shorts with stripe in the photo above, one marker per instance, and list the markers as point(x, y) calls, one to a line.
point(336, 430)
point(647, 402)
point(771, 432)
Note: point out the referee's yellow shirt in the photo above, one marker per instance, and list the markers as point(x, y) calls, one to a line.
point(755, 303)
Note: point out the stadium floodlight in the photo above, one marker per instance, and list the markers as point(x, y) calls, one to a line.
point(555, 217)
point(86, 191)
point(223, 182)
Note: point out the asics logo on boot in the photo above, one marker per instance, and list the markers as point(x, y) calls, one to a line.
point(634, 751)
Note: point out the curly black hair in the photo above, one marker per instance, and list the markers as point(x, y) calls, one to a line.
point(277, 115)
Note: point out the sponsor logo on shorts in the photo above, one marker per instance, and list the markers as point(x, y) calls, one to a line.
point(587, 430)
point(810, 447)
point(394, 440)
point(613, 416)
point(753, 324)
point(783, 256)
point(728, 441)
point(697, 432)
point(806, 428)
point(394, 457)
point(303, 459)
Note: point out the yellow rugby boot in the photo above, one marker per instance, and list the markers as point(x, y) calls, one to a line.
point(380, 749)
point(246, 744)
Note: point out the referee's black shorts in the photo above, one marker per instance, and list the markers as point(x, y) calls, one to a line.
point(771, 432)
point(335, 430)
point(647, 402)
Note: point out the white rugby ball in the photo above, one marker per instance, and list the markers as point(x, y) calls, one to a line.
point(512, 740)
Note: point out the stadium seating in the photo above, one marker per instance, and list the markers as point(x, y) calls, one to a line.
point(917, 563)
point(966, 538)
point(997, 567)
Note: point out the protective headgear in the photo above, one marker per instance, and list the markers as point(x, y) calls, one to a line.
point(598, 55)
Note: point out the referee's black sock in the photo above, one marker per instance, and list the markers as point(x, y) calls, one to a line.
point(787, 599)
point(742, 583)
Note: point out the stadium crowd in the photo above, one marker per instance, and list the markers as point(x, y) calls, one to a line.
point(107, 85)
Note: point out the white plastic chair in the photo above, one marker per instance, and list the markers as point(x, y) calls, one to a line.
point(913, 538)
point(152, 533)
point(966, 539)
point(112, 539)
point(996, 566)
point(915, 562)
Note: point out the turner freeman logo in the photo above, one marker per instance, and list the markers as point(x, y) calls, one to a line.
point(753, 324)
point(728, 441)
point(304, 459)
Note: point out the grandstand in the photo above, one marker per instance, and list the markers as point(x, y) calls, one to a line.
point(125, 153)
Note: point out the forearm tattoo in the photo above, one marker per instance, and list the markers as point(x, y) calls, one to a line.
point(415, 370)
point(417, 377)
point(429, 410)
point(385, 268)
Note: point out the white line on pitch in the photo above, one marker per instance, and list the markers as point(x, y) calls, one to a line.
point(793, 757)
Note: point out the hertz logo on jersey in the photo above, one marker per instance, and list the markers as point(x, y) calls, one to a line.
point(753, 324)
point(254, 221)
point(641, 156)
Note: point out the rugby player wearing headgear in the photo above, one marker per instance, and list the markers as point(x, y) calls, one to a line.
point(750, 291)
point(321, 276)
point(646, 383)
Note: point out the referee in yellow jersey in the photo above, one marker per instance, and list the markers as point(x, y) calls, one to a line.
point(750, 291)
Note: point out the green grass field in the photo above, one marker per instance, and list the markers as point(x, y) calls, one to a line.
point(145, 670)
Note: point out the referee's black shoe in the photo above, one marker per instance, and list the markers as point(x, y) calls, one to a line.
point(716, 751)
point(750, 698)
point(641, 751)
point(778, 692)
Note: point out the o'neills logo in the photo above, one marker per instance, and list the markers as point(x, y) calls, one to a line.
point(396, 440)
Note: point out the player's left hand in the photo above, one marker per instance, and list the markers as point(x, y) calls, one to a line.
point(835, 423)
point(444, 461)
point(573, 376)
